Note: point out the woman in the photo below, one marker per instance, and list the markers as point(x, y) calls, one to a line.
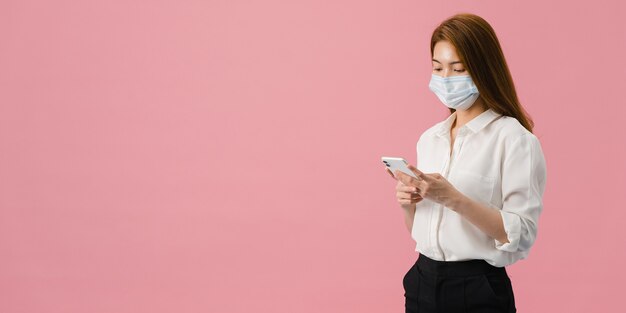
point(474, 206)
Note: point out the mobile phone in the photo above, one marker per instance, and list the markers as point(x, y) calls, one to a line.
point(395, 163)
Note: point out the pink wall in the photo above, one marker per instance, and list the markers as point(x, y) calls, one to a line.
point(223, 156)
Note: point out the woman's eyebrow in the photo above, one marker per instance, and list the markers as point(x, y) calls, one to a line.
point(453, 62)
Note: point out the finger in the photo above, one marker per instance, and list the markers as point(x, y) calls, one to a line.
point(412, 201)
point(390, 173)
point(407, 189)
point(417, 172)
point(406, 196)
point(406, 179)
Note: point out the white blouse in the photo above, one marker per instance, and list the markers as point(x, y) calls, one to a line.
point(494, 161)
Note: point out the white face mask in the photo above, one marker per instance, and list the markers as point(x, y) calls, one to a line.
point(456, 92)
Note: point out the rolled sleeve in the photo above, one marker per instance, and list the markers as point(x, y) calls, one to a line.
point(523, 185)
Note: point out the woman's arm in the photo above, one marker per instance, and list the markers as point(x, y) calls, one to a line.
point(409, 215)
point(408, 198)
point(486, 219)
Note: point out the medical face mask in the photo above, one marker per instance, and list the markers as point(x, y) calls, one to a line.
point(456, 92)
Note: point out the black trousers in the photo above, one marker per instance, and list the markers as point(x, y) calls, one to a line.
point(462, 286)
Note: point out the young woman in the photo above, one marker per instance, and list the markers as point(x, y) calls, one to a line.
point(474, 206)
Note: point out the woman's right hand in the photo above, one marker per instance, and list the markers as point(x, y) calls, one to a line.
point(406, 195)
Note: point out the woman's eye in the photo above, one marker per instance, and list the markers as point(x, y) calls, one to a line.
point(460, 71)
point(436, 69)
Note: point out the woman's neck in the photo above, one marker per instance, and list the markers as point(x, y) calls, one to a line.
point(464, 116)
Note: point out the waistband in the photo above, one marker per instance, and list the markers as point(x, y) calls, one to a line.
point(456, 268)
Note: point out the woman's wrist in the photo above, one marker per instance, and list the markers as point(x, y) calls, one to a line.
point(408, 206)
point(457, 202)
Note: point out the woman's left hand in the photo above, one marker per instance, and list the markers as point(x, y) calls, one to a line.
point(431, 186)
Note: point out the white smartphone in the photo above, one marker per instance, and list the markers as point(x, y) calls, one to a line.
point(394, 163)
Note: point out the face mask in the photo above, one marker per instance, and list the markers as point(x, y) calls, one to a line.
point(456, 92)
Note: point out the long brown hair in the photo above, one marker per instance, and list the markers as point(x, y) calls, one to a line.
point(480, 52)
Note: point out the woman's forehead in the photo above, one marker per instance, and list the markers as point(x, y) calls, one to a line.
point(445, 53)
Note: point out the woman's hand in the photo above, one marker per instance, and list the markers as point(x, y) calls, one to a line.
point(431, 186)
point(406, 195)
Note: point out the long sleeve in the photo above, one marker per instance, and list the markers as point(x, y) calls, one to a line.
point(523, 185)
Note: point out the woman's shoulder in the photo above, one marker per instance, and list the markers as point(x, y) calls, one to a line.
point(513, 136)
point(509, 128)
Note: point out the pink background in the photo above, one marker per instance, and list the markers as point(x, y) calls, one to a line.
point(224, 156)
